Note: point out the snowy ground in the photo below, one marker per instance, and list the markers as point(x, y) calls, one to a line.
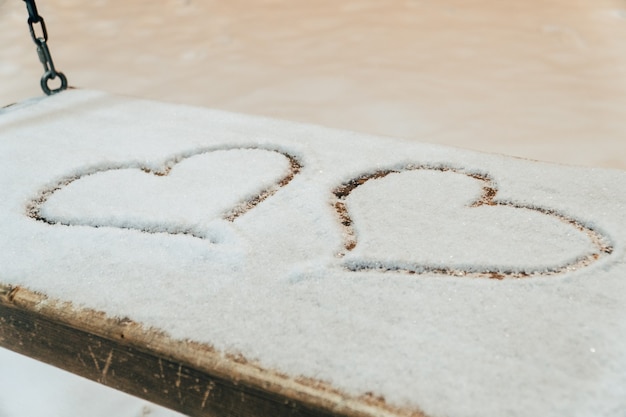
point(541, 80)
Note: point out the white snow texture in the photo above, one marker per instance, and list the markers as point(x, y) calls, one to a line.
point(125, 206)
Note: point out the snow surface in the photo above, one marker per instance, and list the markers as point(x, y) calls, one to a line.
point(280, 276)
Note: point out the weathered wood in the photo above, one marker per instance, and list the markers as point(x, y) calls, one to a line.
point(188, 377)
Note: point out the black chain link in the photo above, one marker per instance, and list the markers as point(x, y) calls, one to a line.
point(50, 73)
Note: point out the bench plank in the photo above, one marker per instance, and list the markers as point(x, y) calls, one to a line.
point(184, 376)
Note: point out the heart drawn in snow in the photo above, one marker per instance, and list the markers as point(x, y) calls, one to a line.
point(180, 196)
point(447, 221)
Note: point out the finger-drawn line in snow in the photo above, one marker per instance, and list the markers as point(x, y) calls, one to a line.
point(602, 244)
point(33, 208)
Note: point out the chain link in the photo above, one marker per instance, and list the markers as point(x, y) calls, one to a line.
point(50, 73)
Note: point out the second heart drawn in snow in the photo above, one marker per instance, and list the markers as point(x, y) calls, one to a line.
point(182, 195)
point(443, 220)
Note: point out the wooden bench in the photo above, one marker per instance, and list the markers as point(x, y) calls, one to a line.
point(326, 273)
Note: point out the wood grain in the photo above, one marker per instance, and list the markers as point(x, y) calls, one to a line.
point(185, 376)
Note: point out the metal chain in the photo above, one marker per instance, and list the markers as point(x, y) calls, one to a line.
point(50, 73)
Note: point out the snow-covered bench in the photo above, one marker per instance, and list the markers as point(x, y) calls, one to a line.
point(221, 264)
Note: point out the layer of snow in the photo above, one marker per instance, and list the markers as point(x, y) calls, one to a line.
point(282, 284)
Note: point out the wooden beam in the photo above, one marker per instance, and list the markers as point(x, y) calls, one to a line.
point(187, 377)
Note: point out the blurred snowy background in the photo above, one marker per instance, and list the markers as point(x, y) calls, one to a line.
point(540, 79)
